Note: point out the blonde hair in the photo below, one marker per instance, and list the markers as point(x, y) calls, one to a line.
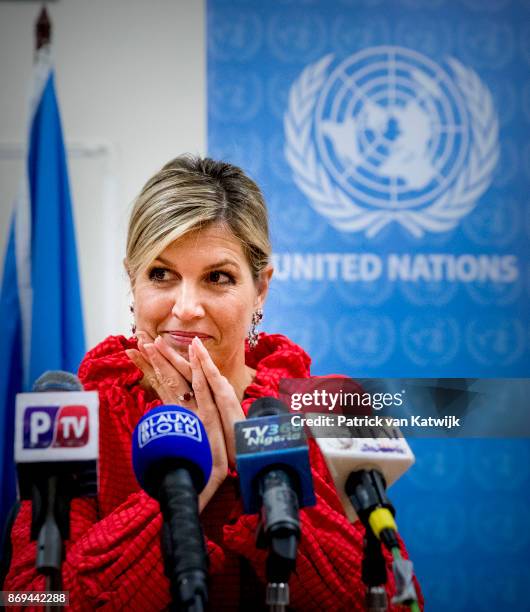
point(188, 194)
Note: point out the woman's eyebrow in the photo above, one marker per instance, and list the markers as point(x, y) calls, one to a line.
point(221, 263)
point(217, 264)
point(165, 262)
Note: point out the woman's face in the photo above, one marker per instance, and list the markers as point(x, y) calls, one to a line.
point(201, 285)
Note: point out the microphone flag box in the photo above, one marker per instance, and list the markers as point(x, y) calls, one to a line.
point(57, 432)
point(264, 442)
point(389, 453)
point(169, 437)
point(57, 426)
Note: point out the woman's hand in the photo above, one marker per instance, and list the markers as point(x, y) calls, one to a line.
point(165, 370)
point(210, 417)
point(223, 398)
point(170, 375)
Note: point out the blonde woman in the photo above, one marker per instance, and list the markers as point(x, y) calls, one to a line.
point(198, 259)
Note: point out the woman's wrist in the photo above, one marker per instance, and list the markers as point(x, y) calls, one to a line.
point(209, 491)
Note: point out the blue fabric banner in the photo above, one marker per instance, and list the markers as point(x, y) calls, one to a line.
point(40, 303)
point(391, 140)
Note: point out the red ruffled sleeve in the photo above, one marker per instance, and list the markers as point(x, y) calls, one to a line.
point(113, 555)
point(328, 566)
point(113, 559)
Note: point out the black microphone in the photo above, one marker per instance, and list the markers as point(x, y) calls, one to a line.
point(172, 461)
point(362, 468)
point(275, 477)
point(56, 453)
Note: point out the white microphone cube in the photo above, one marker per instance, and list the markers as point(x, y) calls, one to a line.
point(388, 453)
point(57, 427)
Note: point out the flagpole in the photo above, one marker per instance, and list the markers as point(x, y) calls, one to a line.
point(49, 543)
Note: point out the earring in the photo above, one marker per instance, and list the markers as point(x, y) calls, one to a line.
point(257, 317)
point(133, 324)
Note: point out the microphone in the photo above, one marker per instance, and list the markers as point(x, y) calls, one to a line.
point(56, 454)
point(382, 450)
point(362, 468)
point(172, 461)
point(275, 478)
point(268, 437)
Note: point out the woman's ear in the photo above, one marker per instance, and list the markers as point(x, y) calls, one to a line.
point(128, 270)
point(263, 283)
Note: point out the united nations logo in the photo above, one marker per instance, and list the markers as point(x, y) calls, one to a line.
point(388, 135)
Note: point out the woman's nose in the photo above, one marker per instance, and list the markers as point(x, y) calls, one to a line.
point(187, 305)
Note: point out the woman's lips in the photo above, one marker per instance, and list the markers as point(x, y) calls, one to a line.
point(185, 338)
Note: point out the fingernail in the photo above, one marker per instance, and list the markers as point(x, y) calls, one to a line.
point(158, 339)
point(148, 347)
point(129, 354)
point(191, 351)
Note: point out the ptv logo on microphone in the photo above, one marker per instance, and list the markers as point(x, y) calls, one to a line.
point(55, 426)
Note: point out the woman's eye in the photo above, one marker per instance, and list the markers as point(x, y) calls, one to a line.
point(158, 274)
point(220, 278)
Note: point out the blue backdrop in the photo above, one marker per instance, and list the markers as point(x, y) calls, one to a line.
point(391, 140)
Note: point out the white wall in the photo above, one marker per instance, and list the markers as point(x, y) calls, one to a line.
point(131, 84)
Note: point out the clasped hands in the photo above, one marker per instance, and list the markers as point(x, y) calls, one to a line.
point(215, 402)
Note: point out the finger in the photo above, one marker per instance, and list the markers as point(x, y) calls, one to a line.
point(224, 397)
point(170, 383)
point(224, 394)
point(215, 379)
point(209, 415)
point(141, 334)
point(143, 338)
point(201, 389)
point(174, 357)
point(139, 360)
point(145, 366)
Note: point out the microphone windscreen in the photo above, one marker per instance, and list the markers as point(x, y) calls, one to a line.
point(267, 406)
point(57, 380)
point(166, 438)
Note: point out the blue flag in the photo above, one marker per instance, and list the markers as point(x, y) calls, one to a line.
point(40, 302)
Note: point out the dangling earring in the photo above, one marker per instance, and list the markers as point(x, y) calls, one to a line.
point(257, 316)
point(133, 324)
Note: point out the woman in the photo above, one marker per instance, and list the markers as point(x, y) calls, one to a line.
point(198, 260)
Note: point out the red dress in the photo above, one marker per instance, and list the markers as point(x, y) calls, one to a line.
point(113, 558)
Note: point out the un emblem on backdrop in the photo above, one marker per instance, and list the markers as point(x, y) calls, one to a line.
point(390, 136)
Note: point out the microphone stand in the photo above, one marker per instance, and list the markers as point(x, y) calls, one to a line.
point(367, 492)
point(50, 527)
point(373, 572)
point(279, 531)
point(280, 564)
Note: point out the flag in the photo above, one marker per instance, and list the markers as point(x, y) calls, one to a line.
point(41, 318)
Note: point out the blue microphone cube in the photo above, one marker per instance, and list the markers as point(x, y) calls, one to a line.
point(170, 435)
point(272, 441)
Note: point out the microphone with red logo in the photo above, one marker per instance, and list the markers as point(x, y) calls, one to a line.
point(56, 454)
